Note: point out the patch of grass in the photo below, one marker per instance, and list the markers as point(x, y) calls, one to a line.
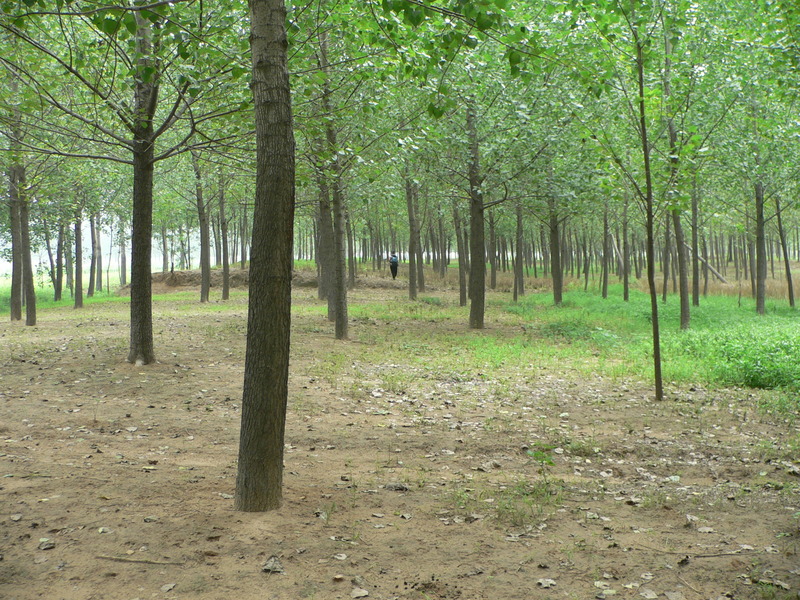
point(727, 344)
point(518, 504)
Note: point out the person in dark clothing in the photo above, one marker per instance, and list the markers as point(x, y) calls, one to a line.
point(393, 262)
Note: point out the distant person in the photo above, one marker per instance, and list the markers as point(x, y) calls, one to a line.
point(393, 262)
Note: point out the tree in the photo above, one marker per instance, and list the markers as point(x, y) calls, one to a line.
point(266, 373)
point(123, 119)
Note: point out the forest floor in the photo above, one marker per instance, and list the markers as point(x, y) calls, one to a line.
point(409, 473)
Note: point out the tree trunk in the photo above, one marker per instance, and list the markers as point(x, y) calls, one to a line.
point(413, 237)
point(477, 276)
point(15, 202)
point(98, 282)
point(351, 253)
point(785, 250)
point(695, 245)
point(59, 287)
point(761, 251)
point(626, 254)
point(339, 270)
point(123, 255)
point(556, 269)
point(325, 252)
point(420, 262)
point(266, 376)
point(78, 260)
point(29, 289)
point(650, 219)
point(164, 248)
point(492, 252)
point(223, 229)
point(93, 261)
point(462, 254)
point(146, 102)
point(606, 253)
point(203, 223)
point(519, 279)
point(683, 270)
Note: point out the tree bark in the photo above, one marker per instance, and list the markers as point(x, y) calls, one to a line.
point(28, 286)
point(93, 261)
point(413, 237)
point(462, 256)
point(223, 229)
point(78, 260)
point(203, 223)
point(650, 218)
point(785, 251)
point(145, 101)
point(477, 246)
point(260, 473)
point(556, 269)
point(15, 202)
point(761, 251)
point(519, 279)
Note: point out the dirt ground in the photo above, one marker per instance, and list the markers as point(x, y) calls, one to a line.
point(117, 480)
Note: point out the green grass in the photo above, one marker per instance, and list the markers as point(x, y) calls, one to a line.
point(727, 344)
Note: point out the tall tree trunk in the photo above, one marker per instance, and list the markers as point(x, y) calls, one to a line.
point(123, 255)
point(98, 282)
point(28, 286)
point(665, 257)
point(695, 244)
point(413, 237)
point(325, 249)
point(223, 231)
point(420, 262)
point(477, 275)
point(626, 254)
point(606, 253)
point(146, 101)
point(649, 212)
point(556, 269)
point(78, 259)
point(761, 251)
point(785, 251)
point(519, 279)
point(351, 253)
point(683, 270)
point(266, 373)
point(203, 223)
point(164, 248)
point(58, 290)
point(15, 202)
point(93, 261)
point(492, 248)
point(680, 245)
point(339, 270)
point(462, 255)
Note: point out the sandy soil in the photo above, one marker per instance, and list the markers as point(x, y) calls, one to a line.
point(117, 480)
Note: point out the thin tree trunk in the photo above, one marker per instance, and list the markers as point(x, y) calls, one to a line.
point(93, 261)
point(413, 238)
point(223, 230)
point(477, 276)
point(78, 260)
point(649, 212)
point(785, 250)
point(203, 223)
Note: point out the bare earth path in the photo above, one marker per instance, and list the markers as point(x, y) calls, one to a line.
point(403, 480)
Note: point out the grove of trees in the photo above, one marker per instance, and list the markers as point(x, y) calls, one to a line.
point(652, 140)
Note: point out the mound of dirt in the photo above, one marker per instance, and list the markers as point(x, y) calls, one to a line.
point(239, 278)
